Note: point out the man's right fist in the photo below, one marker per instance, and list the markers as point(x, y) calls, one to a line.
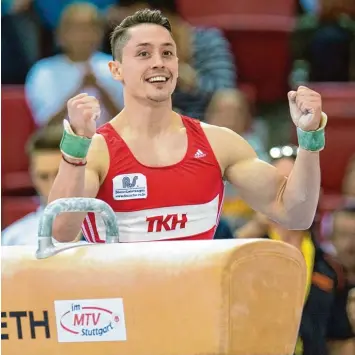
point(83, 111)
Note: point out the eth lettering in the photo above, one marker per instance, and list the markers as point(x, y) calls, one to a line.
point(33, 324)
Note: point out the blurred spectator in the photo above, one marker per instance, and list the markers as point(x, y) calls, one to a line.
point(334, 9)
point(50, 11)
point(351, 308)
point(231, 109)
point(343, 239)
point(348, 196)
point(324, 38)
point(349, 180)
point(81, 68)
point(309, 6)
point(206, 64)
point(45, 156)
point(223, 230)
point(20, 46)
point(325, 326)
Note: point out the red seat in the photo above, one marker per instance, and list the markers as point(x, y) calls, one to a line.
point(14, 208)
point(338, 102)
point(17, 126)
point(199, 8)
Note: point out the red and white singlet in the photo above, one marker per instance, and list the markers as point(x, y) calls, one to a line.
point(180, 201)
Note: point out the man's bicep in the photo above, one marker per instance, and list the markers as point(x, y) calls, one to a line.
point(97, 162)
point(259, 183)
point(92, 183)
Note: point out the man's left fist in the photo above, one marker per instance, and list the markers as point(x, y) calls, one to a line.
point(305, 108)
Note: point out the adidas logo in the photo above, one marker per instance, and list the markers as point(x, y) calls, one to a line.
point(199, 154)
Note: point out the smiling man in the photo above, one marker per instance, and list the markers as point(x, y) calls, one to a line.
point(163, 173)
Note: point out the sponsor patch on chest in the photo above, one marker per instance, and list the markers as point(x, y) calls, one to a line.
point(130, 187)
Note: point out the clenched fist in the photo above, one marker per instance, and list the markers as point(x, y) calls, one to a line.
point(83, 111)
point(305, 108)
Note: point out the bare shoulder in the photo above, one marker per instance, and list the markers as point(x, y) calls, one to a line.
point(228, 146)
point(98, 157)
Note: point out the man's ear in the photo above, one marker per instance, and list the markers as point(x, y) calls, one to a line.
point(115, 69)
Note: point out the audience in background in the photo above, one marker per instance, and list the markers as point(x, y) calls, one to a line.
point(20, 42)
point(350, 307)
point(81, 68)
point(349, 180)
point(325, 39)
point(223, 230)
point(45, 156)
point(50, 11)
point(231, 109)
point(343, 239)
point(348, 196)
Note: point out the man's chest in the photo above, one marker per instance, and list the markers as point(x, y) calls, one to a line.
point(159, 152)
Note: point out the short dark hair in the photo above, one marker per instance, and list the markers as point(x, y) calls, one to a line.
point(119, 35)
point(45, 139)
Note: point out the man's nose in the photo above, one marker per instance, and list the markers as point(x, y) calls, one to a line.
point(158, 61)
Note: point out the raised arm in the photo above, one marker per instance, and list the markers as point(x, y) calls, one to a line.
point(292, 201)
point(85, 158)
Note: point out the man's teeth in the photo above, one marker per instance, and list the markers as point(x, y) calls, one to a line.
point(157, 79)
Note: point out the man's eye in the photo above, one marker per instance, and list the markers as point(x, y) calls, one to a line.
point(143, 54)
point(168, 53)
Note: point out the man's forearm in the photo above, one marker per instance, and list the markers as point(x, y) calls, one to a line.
point(70, 182)
point(301, 193)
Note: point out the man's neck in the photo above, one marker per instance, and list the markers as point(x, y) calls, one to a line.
point(147, 120)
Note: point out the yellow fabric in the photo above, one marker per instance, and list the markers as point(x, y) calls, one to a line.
point(236, 207)
point(308, 251)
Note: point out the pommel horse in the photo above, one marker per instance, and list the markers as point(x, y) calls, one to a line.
point(218, 297)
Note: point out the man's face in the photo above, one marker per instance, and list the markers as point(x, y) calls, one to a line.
point(149, 53)
point(344, 238)
point(44, 169)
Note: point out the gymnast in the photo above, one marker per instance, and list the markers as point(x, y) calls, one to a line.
point(162, 173)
